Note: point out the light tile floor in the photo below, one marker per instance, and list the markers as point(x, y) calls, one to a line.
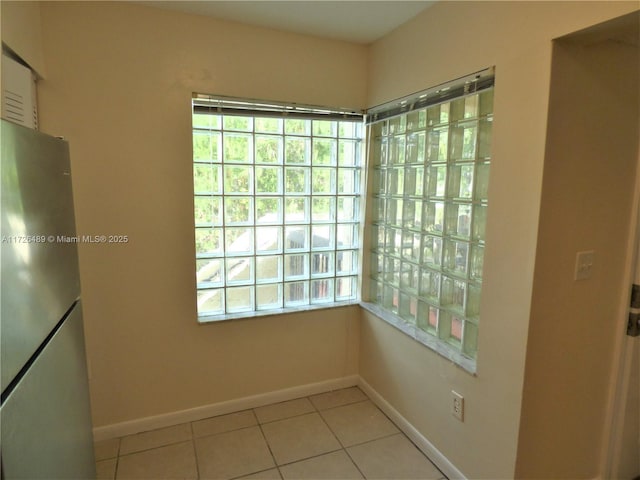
point(334, 435)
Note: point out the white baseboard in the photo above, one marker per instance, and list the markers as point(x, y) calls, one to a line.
point(205, 411)
point(442, 462)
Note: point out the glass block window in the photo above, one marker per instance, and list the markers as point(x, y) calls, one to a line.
point(277, 202)
point(429, 190)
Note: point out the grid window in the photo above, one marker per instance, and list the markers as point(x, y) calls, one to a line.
point(430, 177)
point(277, 210)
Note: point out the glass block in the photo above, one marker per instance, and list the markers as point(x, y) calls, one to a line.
point(397, 150)
point(297, 150)
point(325, 128)
point(238, 180)
point(268, 210)
point(437, 145)
point(268, 180)
point(455, 333)
point(458, 219)
point(481, 192)
point(323, 180)
point(376, 266)
point(456, 257)
point(397, 124)
point(414, 181)
point(232, 122)
point(486, 102)
point(396, 181)
point(347, 235)
point(484, 138)
point(322, 237)
point(211, 301)
point(473, 301)
point(453, 294)
point(209, 241)
point(470, 340)
point(239, 270)
point(297, 180)
point(346, 288)
point(268, 296)
point(350, 129)
point(269, 239)
point(416, 147)
point(379, 209)
point(322, 290)
point(296, 210)
point(477, 260)
point(432, 250)
point(268, 125)
point(206, 178)
point(382, 146)
point(238, 240)
point(348, 180)
point(296, 294)
point(380, 180)
point(349, 153)
point(427, 318)
point(416, 120)
point(296, 238)
point(268, 149)
point(471, 106)
point(296, 266)
point(324, 152)
point(412, 214)
point(322, 264)
point(411, 246)
point(479, 223)
point(430, 285)
point(463, 141)
point(210, 271)
point(456, 110)
point(460, 181)
point(269, 268)
point(394, 210)
point(376, 292)
point(207, 210)
point(347, 262)
point(206, 146)
point(297, 126)
point(409, 277)
point(348, 209)
point(238, 147)
point(240, 299)
point(390, 297)
point(408, 308)
point(433, 216)
point(392, 241)
point(238, 210)
point(205, 120)
point(435, 181)
point(323, 209)
point(392, 270)
point(438, 114)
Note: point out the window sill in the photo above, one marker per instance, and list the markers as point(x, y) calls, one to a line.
point(429, 341)
point(268, 313)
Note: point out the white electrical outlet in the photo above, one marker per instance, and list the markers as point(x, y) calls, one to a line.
point(457, 405)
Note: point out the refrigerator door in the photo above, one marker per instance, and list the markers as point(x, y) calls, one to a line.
point(39, 269)
point(46, 421)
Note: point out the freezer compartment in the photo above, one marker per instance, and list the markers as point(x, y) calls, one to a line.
point(39, 267)
point(46, 420)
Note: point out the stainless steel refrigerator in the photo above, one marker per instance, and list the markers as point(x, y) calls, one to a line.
point(45, 417)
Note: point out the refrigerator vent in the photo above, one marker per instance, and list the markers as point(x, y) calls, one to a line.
point(18, 93)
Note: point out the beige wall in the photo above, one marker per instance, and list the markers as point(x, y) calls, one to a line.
point(447, 41)
point(119, 88)
point(21, 31)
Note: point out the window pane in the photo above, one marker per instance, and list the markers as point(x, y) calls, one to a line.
point(269, 268)
point(269, 296)
point(208, 210)
point(268, 210)
point(239, 270)
point(240, 299)
point(237, 180)
point(211, 301)
point(210, 271)
point(268, 125)
point(298, 150)
point(232, 122)
point(206, 146)
point(268, 180)
point(297, 126)
point(296, 266)
point(206, 178)
point(322, 290)
point(268, 149)
point(323, 209)
point(297, 180)
point(238, 210)
point(296, 238)
point(296, 294)
point(297, 210)
point(238, 240)
point(268, 239)
point(238, 147)
point(209, 241)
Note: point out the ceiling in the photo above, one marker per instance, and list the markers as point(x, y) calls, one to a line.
point(359, 21)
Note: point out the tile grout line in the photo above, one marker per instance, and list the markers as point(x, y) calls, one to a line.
point(264, 437)
point(195, 450)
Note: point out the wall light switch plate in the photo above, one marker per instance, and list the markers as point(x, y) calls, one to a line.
point(457, 405)
point(584, 265)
